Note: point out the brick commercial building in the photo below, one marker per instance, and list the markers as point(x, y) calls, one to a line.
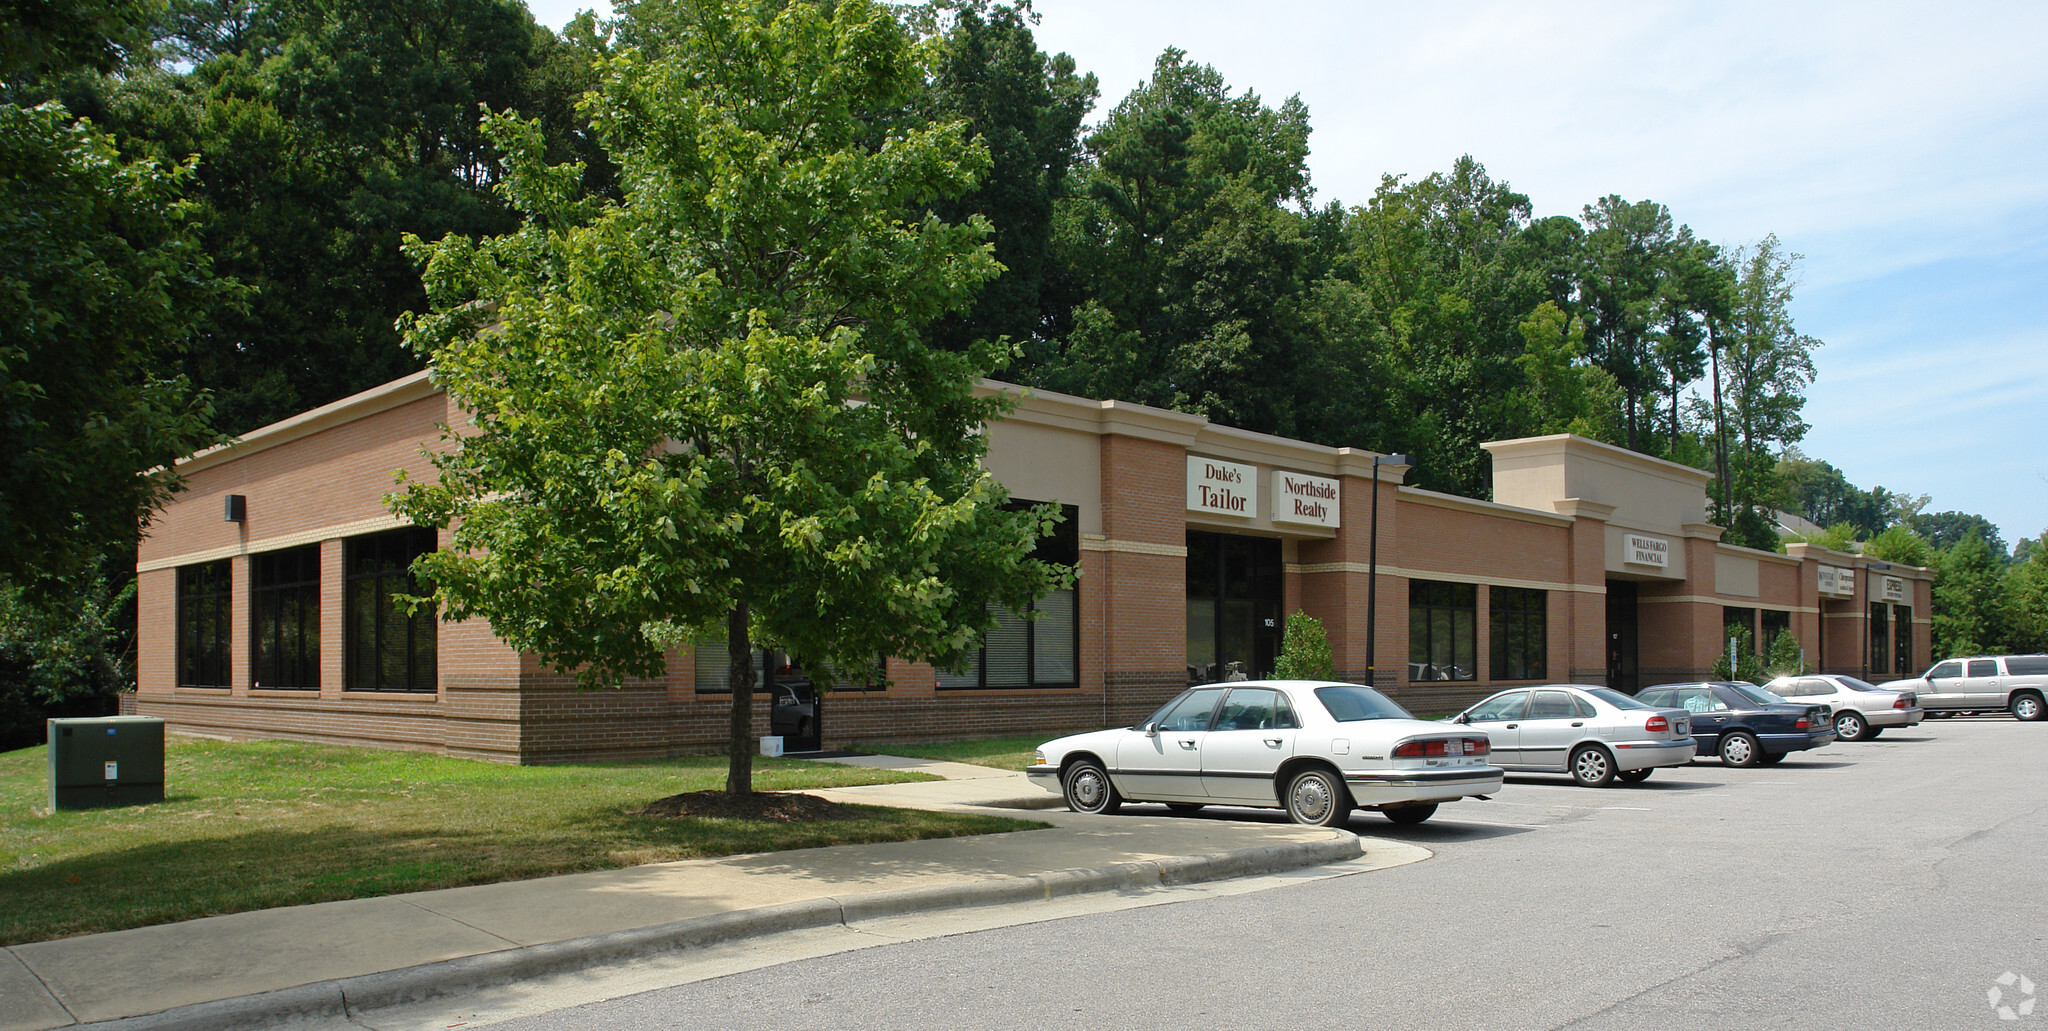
point(265, 590)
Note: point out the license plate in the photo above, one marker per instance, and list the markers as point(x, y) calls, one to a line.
point(1683, 729)
point(1454, 748)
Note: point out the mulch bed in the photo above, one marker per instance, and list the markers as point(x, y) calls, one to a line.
point(765, 806)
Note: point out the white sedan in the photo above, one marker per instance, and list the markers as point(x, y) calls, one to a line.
point(1862, 710)
point(1596, 734)
point(1314, 748)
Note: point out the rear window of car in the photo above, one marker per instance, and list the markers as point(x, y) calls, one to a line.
point(1617, 699)
point(1351, 703)
point(1754, 693)
point(1855, 684)
point(2026, 665)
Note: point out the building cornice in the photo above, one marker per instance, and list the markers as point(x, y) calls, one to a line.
point(349, 409)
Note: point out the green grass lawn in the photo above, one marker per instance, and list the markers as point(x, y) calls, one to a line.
point(255, 825)
point(1003, 753)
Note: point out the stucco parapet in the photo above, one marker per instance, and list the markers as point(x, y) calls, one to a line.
point(1702, 531)
point(1561, 443)
point(1581, 508)
point(1723, 548)
point(377, 399)
point(1491, 508)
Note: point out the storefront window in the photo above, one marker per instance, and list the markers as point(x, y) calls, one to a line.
point(1516, 623)
point(1880, 638)
point(1233, 604)
point(203, 625)
point(386, 648)
point(1775, 624)
point(1443, 635)
point(284, 603)
point(1745, 618)
point(1902, 633)
point(1021, 652)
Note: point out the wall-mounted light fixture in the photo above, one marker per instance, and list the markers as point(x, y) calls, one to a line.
point(235, 509)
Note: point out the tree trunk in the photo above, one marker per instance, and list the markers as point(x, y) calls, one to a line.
point(739, 645)
point(1720, 431)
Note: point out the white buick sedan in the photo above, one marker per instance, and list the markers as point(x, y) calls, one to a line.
point(1316, 749)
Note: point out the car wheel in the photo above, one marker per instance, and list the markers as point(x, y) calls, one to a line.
point(1850, 727)
point(1317, 798)
point(1592, 766)
point(1635, 776)
point(1771, 758)
point(1088, 790)
point(1874, 732)
point(1186, 807)
point(1739, 749)
point(1410, 814)
point(2026, 707)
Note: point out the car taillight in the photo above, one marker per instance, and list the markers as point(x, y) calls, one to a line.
point(1901, 703)
point(1803, 723)
point(1657, 724)
point(1440, 747)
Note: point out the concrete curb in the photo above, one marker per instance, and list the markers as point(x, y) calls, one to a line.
point(341, 997)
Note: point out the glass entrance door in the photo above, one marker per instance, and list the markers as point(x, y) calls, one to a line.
point(1234, 594)
point(1621, 636)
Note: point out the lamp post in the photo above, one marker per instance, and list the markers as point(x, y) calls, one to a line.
point(1868, 568)
point(1372, 581)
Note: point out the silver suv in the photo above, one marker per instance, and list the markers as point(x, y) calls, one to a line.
point(1983, 683)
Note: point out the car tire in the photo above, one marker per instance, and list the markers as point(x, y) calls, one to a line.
point(1635, 776)
point(1741, 749)
point(1850, 726)
point(2027, 708)
point(1592, 766)
point(1087, 788)
point(1771, 758)
point(1874, 733)
point(1318, 798)
point(1186, 807)
point(1409, 815)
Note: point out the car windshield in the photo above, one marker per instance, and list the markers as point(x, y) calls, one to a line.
point(1754, 693)
point(1350, 703)
point(1617, 699)
point(1854, 684)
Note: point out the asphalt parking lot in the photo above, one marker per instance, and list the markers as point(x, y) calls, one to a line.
point(1887, 884)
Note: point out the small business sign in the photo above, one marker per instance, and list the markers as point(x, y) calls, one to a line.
point(1646, 551)
point(1894, 589)
point(1222, 488)
point(1301, 498)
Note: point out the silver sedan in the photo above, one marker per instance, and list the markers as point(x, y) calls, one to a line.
point(1593, 733)
point(1862, 710)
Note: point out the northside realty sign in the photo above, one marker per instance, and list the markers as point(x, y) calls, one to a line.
point(1301, 498)
point(1222, 488)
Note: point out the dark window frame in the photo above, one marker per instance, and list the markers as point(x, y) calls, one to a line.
point(1426, 600)
point(284, 619)
point(1902, 639)
point(375, 568)
point(1524, 620)
point(1879, 632)
point(205, 594)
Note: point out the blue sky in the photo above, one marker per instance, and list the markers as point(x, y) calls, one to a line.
point(1902, 149)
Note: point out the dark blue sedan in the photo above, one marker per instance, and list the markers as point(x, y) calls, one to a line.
point(1745, 724)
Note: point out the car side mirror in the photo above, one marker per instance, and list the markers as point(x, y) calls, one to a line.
point(1151, 730)
point(1464, 717)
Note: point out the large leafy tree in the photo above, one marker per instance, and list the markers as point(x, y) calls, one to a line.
point(710, 406)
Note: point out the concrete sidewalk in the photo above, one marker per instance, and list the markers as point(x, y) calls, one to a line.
point(275, 966)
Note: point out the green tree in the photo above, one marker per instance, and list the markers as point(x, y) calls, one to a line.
point(101, 282)
point(1786, 657)
point(710, 406)
point(1305, 650)
point(1565, 393)
point(2026, 590)
point(1969, 600)
point(1944, 530)
point(66, 648)
point(1748, 664)
point(1626, 253)
point(1898, 543)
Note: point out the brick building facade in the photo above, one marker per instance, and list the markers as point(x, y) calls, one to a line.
point(263, 589)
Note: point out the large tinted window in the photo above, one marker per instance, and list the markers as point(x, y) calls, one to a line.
point(203, 625)
point(1037, 650)
point(386, 647)
point(1443, 633)
point(1350, 703)
point(1517, 627)
point(2027, 665)
point(1945, 669)
point(1983, 668)
point(284, 603)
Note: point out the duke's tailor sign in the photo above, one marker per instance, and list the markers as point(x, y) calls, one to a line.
point(1222, 488)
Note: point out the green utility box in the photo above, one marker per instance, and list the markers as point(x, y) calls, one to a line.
point(111, 760)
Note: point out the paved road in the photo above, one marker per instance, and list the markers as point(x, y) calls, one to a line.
point(1878, 885)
